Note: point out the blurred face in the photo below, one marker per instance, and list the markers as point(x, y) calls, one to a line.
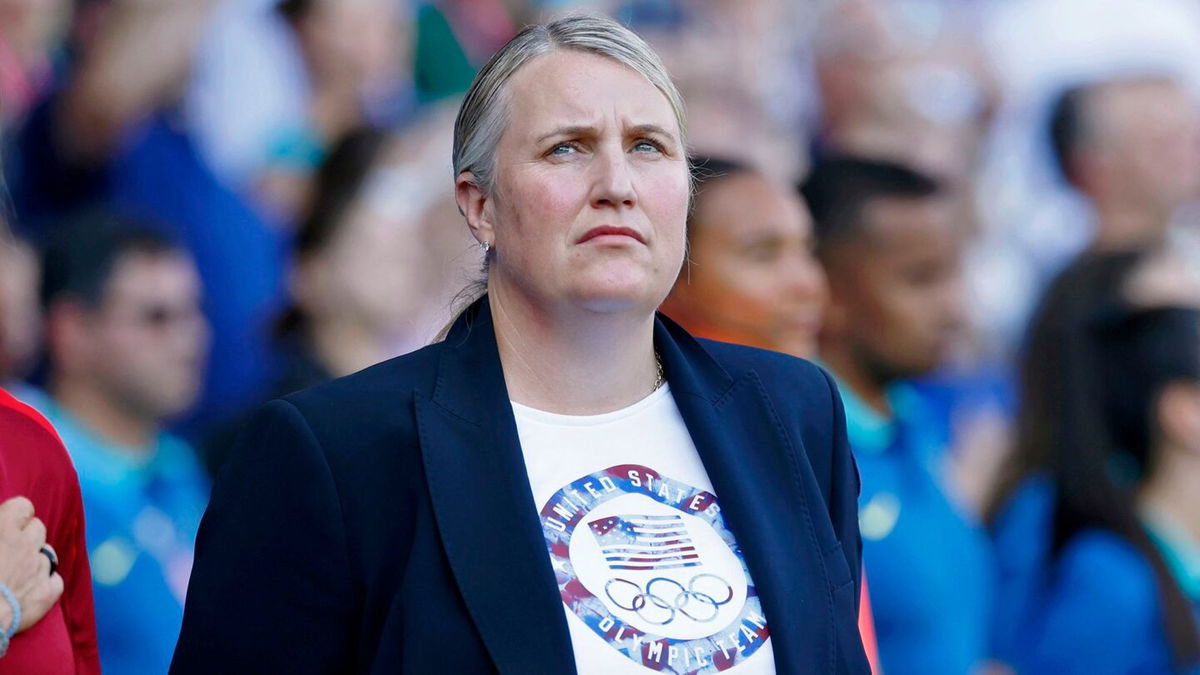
point(28, 24)
point(1178, 420)
point(896, 288)
point(356, 41)
point(1151, 142)
point(147, 339)
point(752, 276)
point(590, 201)
point(374, 273)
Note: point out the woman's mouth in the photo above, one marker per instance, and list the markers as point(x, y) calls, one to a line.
point(609, 231)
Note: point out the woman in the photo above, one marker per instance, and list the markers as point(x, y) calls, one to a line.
point(566, 482)
point(751, 276)
point(1099, 515)
point(369, 278)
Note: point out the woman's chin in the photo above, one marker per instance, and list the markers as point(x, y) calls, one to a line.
point(619, 289)
point(617, 298)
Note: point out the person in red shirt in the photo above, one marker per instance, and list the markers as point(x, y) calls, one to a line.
point(57, 631)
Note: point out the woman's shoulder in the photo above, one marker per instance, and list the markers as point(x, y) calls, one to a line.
point(1101, 611)
point(376, 389)
point(776, 369)
point(1109, 575)
point(351, 415)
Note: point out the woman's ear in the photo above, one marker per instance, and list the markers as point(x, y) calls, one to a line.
point(476, 206)
point(1179, 415)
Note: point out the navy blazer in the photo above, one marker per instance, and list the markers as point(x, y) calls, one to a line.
point(384, 522)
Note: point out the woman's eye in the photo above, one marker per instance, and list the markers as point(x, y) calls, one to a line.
point(647, 146)
point(562, 149)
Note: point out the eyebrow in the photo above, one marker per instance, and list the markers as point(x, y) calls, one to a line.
point(584, 129)
point(652, 129)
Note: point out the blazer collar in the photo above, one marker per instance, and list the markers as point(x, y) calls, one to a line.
point(488, 520)
point(767, 495)
point(484, 507)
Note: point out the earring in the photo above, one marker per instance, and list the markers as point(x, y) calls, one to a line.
point(486, 246)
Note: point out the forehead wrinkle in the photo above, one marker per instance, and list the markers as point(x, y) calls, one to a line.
point(568, 102)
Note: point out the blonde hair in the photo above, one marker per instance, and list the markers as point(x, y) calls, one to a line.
point(484, 113)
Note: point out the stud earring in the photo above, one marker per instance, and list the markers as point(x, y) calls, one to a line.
point(486, 246)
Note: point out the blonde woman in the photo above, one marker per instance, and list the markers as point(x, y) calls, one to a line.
point(568, 482)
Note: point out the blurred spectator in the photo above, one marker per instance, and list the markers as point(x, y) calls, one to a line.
point(305, 72)
point(455, 37)
point(20, 319)
point(1033, 223)
point(902, 80)
point(1095, 523)
point(29, 30)
point(41, 505)
point(111, 134)
point(365, 270)
point(374, 263)
point(741, 68)
point(126, 344)
point(750, 276)
point(1132, 147)
point(887, 240)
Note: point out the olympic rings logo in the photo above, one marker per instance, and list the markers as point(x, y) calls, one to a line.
point(698, 604)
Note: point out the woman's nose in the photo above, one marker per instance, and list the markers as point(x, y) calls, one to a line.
point(613, 181)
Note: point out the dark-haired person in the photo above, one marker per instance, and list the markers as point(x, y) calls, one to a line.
point(1098, 524)
point(888, 242)
point(750, 277)
point(112, 133)
point(126, 342)
point(1131, 146)
point(368, 272)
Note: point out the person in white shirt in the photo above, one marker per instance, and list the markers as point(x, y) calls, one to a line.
point(568, 482)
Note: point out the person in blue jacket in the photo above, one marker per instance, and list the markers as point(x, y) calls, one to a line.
point(1098, 527)
point(568, 482)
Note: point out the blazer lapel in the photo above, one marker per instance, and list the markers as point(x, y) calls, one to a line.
point(484, 507)
point(758, 480)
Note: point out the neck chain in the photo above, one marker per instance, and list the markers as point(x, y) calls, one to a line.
point(659, 380)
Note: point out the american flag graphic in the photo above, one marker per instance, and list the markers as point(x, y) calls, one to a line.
point(640, 542)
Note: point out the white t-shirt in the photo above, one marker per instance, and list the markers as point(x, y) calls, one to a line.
point(652, 579)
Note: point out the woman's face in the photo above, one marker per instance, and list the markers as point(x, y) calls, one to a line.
point(752, 276)
point(590, 199)
point(376, 270)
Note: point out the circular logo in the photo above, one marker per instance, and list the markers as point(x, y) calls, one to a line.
point(649, 565)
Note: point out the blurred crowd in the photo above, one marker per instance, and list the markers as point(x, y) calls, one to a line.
point(981, 216)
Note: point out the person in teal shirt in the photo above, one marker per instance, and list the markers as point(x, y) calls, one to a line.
point(125, 337)
point(886, 238)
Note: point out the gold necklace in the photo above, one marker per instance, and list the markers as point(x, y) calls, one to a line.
point(659, 380)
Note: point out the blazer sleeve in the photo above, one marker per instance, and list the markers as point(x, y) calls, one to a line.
point(844, 486)
point(271, 589)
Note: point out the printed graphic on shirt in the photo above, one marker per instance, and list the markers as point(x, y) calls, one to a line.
point(649, 565)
